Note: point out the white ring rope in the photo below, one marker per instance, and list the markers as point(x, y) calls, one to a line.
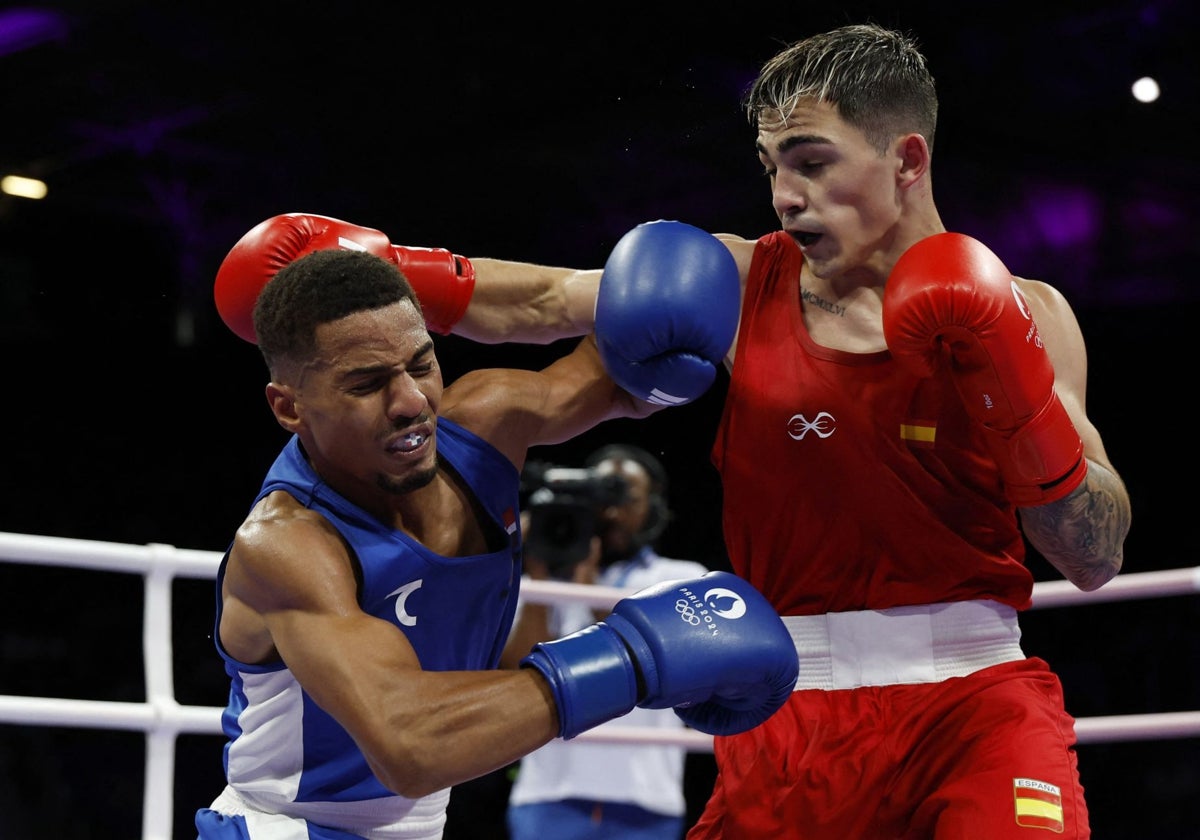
point(162, 718)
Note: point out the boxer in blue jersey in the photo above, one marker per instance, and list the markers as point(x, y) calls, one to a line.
point(363, 604)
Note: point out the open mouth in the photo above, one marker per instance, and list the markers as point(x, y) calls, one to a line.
point(806, 240)
point(408, 443)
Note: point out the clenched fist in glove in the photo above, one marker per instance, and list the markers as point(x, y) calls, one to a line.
point(710, 647)
point(443, 281)
point(667, 311)
point(950, 300)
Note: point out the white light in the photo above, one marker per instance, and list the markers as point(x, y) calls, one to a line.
point(23, 187)
point(1145, 89)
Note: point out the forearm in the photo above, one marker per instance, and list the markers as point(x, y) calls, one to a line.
point(458, 725)
point(529, 304)
point(1083, 534)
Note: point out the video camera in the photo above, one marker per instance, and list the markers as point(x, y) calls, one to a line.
point(563, 504)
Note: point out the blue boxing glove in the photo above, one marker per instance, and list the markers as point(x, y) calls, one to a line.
point(667, 311)
point(711, 647)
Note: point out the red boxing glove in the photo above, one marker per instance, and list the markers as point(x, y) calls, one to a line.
point(950, 299)
point(443, 281)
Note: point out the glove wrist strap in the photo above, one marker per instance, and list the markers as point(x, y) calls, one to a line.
point(591, 676)
point(1042, 461)
point(444, 283)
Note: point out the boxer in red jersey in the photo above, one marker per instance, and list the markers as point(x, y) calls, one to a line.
point(901, 412)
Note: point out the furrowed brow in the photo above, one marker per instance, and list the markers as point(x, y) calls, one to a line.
point(793, 141)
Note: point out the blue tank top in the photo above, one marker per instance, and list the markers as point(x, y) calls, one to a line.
point(455, 611)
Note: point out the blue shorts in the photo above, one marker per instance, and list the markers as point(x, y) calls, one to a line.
point(587, 819)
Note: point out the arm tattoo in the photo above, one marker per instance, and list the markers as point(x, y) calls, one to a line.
point(1083, 534)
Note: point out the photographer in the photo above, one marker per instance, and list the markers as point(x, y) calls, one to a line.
point(572, 790)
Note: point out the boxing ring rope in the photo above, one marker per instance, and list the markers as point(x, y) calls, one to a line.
point(163, 719)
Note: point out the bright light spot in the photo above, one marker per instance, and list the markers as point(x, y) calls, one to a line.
point(1145, 89)
point(23, 187)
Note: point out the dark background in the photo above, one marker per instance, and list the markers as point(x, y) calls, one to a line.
point(130, 414)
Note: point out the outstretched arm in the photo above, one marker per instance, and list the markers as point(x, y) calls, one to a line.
point(537, 304)
point(666, 313)
point(486, 300)
point(529, 304)
point(489, 301)
point(290, 594)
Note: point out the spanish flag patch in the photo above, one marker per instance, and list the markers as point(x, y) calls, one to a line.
point(1038, 804)
point(918, 432)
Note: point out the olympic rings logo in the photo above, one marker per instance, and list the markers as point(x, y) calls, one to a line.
point(686, 612)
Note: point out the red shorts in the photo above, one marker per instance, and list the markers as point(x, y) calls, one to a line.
point(989, 756)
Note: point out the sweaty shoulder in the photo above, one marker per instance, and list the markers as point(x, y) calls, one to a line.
point(1059, 330)
point(742, 250)
point(1047, 304)
point(280, 533)
point(499, 405)
point(283, 557)
point(1041, 294)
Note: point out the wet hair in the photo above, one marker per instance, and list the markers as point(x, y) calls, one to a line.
point(316, 289)
point(876, 78)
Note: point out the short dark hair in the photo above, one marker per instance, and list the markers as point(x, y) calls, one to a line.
point(626, 452)
point(319, 288)
point(658, 513)
point(876, 78)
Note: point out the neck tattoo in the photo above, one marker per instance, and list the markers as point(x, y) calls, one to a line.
point(821, 303)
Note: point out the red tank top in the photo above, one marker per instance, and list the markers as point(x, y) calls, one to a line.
point(848, 483)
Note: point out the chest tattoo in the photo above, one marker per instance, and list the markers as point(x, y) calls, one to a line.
point(821, 303)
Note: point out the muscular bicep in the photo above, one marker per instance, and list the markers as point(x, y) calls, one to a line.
point(516, 409)
point(291, 593)
point(292, 571)
point(1065, 346)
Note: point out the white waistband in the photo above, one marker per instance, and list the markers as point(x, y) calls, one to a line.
point(390, 818)
point(915, 644)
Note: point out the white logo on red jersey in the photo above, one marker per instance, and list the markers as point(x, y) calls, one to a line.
point(823, 425)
